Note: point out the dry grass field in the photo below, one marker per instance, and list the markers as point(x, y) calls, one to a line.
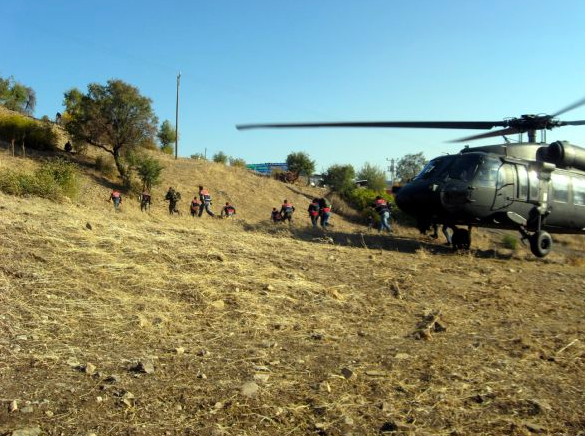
point(137, 323)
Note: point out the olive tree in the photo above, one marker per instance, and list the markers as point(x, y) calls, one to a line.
point(374, 175)
point(167, 137)
point(114, 117)
point(16, 96)
point(300, 163)
point(340, 178)
point(409, 166)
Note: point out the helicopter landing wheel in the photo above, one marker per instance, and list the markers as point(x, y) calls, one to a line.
point(461, 239)
point(540, 243)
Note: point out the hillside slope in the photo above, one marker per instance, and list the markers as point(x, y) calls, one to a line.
point(145, 324)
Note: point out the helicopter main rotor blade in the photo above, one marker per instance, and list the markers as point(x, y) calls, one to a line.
point(573, 123)
point(381, 124)
point(502, 132)
point(571, 107)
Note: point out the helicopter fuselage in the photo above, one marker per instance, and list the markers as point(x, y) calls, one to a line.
point(532, 185)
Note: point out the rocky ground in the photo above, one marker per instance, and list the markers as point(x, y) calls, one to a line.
point(141, 324)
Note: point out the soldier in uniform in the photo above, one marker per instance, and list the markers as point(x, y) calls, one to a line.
point(173, 197)
point(205, 199)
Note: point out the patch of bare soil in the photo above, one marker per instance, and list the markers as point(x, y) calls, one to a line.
point(145, 324)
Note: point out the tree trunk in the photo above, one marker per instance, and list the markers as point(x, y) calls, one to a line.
point(122, 170)
point(12, 143)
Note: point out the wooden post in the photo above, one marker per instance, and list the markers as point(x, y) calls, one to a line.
point(177, 118)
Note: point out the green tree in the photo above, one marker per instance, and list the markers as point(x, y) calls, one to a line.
point(16, 96)
point(237, 162)
point(148, 170)
point(300, 163)
point(409, 166)
point(340, 178)
point(374, 175)
point(220, 157)
point(167, 137)
point(114, 117)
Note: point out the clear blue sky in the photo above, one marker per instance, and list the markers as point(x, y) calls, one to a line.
point(309, 60)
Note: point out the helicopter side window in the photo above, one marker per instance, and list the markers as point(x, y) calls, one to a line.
point(505, 176)
point(534, 185)
point(560, 188)
point(522, 182)
point(578, 191)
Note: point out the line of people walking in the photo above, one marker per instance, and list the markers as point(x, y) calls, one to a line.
point(319, 209)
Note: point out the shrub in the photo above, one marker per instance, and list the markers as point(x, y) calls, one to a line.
point(105, 166)
point(237, 162)
point(37, 135)
point(510, 242)
point(149, 144)
point(64, 173)
point(80, 147)
point(167, 149)
point(198, 156)
point(220, 157)
point(149, 171)
point(53, 180)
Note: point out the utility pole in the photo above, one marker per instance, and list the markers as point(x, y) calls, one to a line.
point(391, 170)
point(177, 118)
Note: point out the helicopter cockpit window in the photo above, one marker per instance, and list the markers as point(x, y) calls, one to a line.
point(560, 188)
point(464, 167)
point(433, 169)
point(487, 174)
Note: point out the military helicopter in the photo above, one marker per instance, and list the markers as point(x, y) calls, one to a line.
point(533, 187)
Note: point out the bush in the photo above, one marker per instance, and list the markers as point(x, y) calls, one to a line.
point(220, 157)
point(362, 198)
point(105, 166)
point(37, 135)
point(237, 162)
point(510, 242)
point(64, 173)
point(149, 171)
point(53, 180)
point(198, 156)
point(167, 149)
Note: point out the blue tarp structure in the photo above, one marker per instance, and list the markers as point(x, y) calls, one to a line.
point(266, 168)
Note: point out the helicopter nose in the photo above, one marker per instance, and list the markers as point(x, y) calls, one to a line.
point(417, 199)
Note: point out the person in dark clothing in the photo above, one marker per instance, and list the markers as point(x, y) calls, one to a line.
point(228, 210)
point(173, 198)
point(286, 210)
point(324, 212)
point(276, 216)
point(381, 206)
point(145, 199)
point(445, 229)
point(205, 199)
point(314, 211)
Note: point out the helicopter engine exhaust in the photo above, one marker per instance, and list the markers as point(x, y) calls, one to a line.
point(565, 155)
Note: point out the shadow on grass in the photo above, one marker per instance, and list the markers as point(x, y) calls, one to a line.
point(370, 240)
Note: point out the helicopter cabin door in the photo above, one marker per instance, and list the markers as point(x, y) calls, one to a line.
point(505, 187)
